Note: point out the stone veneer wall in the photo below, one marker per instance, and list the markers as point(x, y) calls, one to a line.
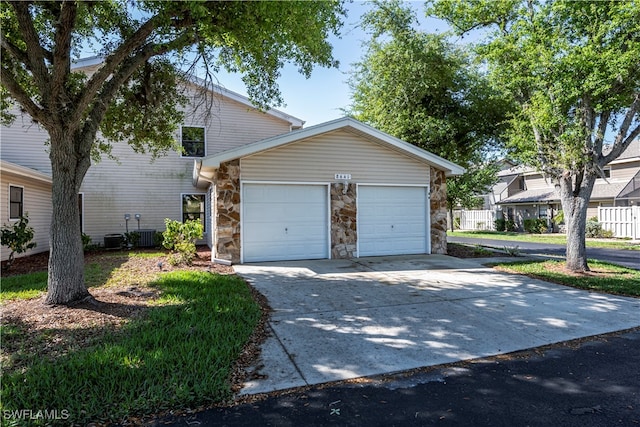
point(227, 212)
point(343, 221)
point(438, 203)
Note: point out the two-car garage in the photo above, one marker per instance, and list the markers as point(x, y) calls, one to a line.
point(337, 190)
point(291, 221)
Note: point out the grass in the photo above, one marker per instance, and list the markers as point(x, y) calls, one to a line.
point(25, 286)
point(558, 239)
point(100, 271)
point(179, 355)
point(604, 277)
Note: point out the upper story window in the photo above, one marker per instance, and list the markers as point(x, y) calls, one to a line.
point(193, 141)
point(606, 172)
point(521, 183)
point(16, 202)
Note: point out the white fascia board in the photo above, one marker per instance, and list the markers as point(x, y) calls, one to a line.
point(342, 123)
point(25, 172)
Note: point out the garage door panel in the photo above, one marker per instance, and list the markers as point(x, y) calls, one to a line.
point(392, 220)
point(284, 222)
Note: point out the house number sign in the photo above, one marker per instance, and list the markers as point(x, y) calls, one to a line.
point(343, 176)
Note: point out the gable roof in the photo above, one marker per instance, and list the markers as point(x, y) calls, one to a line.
point(95, 62)
point(600, 191)
point(345, 123)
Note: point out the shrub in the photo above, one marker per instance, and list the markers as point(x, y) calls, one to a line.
point(510, 225)
point(86, 241)
point(501, 224)
point(594, 229)
point(158, 239)
point(17, 237)
point(180, 238)
point(535, 225)
point(131, 239)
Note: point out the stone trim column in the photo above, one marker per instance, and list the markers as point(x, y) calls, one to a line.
point(227, 212)
point(343, 221)
point(438, 205)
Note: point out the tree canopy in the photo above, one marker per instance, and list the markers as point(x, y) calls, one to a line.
point(573, 68)
point(146, 48)
point(427, 91)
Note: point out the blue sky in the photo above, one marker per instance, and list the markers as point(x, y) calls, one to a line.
point(321, 97)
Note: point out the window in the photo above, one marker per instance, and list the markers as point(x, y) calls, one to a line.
point(606, 172)
point(193, 207)
point(193, 141)
point(16, 202)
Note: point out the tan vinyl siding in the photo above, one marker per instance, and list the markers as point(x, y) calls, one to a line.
point(134, 184)
point(624, 171)
point(319, 159)
point(37, 203)
point(232, 124)
point(536, 181)
point(592, 210)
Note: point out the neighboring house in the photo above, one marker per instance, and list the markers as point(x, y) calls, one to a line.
point(530, 195)
point(264, 188)
point(26, 191)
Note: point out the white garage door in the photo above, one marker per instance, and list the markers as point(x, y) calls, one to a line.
point(284, 222)
point(392, 220)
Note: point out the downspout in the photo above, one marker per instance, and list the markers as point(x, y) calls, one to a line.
point(197, 166)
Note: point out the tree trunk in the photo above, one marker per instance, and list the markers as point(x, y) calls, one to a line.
point(575, 204)
point(66, 261)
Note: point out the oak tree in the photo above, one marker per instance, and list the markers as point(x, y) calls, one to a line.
point(573, 68)
point(147, 47)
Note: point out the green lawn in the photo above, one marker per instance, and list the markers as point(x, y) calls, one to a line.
point(179, 354)
point(559, 239)
point(604, 277)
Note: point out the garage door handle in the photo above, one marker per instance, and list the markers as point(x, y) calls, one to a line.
point(286, 230)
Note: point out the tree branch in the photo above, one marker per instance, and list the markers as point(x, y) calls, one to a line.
point(623, 140)
point(36, 58)
point(13, 50)
point(61, 55)
point(9, 81)
point(111, 63)
point(599, 138)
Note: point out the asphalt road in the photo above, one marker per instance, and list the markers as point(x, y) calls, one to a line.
point(586, 383)
point(627, 258)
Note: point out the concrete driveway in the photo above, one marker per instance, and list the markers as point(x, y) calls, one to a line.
point(342, 319)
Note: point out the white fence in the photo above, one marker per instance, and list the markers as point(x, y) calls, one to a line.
point(477, 220)
point(623, 221)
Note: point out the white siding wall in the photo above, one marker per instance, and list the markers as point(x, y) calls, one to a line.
point(134, 184)
point(319, 159)
point(23, 143)
point(37, 203)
